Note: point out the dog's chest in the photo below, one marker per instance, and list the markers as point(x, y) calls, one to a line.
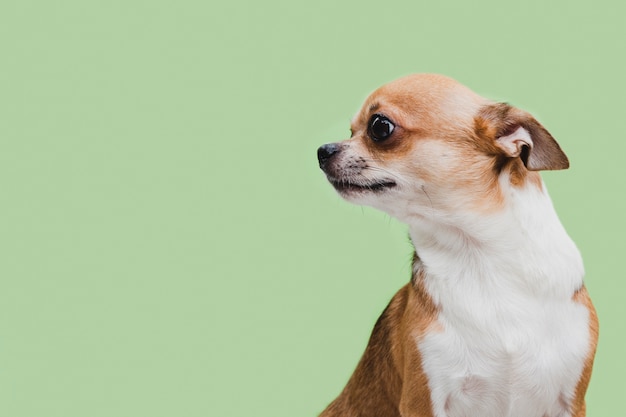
point(505, 358)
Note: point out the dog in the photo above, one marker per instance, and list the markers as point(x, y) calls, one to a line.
point(496, 320)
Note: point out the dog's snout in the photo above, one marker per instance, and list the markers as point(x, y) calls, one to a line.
point(325, 152)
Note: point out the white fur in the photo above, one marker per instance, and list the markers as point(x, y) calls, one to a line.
point(512, 342)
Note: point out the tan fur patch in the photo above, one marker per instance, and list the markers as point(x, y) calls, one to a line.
point(390, 372)
point(578, 405)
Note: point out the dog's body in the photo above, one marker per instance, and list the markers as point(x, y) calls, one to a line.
point(496, 321)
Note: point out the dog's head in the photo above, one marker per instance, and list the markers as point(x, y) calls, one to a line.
point(426, 142)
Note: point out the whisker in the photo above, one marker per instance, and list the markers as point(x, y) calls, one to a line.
point(379, 169)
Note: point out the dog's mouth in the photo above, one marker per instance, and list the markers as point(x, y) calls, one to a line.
point(348, 186)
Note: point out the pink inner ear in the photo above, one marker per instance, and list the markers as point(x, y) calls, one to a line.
point(513, 143)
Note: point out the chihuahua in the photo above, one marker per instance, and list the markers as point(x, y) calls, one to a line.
point(496, 320)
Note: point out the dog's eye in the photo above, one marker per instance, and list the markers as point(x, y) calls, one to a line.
point(380, 128)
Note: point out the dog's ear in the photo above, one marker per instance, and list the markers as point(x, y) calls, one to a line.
point(516, 133)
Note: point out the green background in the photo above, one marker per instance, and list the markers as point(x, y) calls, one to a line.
point(169, 246)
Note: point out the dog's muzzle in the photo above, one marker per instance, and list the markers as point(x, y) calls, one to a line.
point(326, 152)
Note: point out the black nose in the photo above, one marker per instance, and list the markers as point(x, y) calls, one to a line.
point(325, 152)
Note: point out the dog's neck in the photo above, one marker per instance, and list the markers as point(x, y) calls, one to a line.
point(523, 249)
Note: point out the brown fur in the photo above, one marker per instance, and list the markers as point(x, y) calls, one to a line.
point(578, 405)
point(389, 380)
